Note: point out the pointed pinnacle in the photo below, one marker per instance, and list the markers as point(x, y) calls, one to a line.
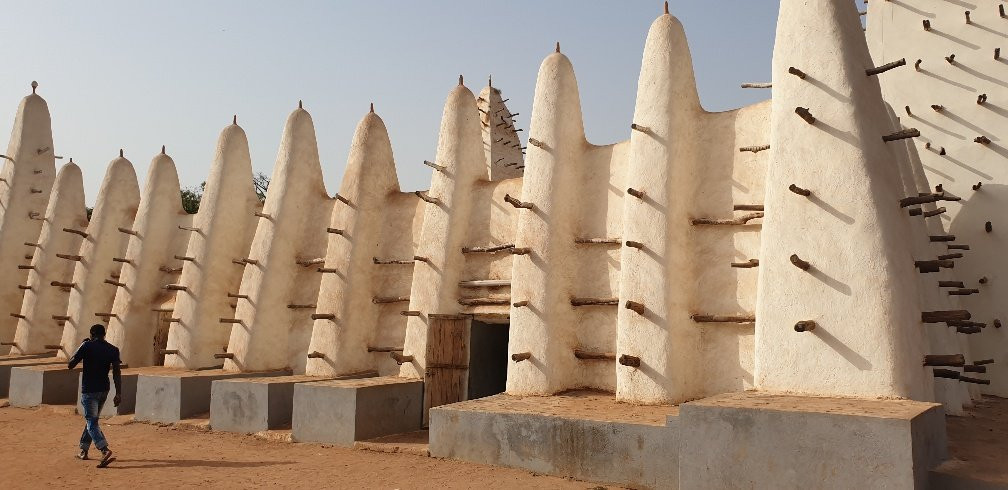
point(234, 119)
point(34, 86)
point(71, 159)
point(490, 81)
point(460, 79)
point(300, 104)
point(666, 8)
point(162, 149)
point(372, 108)
point(120, 153)
point(558, 47)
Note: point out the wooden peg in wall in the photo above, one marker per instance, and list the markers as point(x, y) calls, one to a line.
point(804, 113)
point(799, 263)
point(805, 326)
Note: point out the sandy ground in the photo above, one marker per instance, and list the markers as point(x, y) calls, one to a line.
point(978, 441)
point(37, 450)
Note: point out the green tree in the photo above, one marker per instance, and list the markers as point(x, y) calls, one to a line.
point(191, 196)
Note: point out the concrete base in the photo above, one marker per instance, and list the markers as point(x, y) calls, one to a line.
point(761, 440)
point(343, 411)
point(48, 384)
point(17, 357)
point(252, 405)
point(169, 395)
point(8, 363)
point(128, 403)
point(581, 434)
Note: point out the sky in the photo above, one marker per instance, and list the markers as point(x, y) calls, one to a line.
point(140, 74)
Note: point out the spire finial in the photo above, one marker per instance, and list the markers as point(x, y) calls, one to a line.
point(490, 81)
point(71, 159)
point(558, 47)
point(666, 8)
point(300, 104)
point(234, 119)
point(162, 149)
point(120, 153)
point(34, 85)
point(460, 79)
point(372, 108)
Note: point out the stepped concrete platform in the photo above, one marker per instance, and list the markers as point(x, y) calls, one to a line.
point(44, 384)
point(579, 434)
point(250, 405)
point(16, 357)
point(128, 403)
point(169, 395)
point(11, 362)
point(347, 410)
point(765, 440)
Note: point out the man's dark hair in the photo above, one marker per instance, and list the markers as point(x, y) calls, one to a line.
point(98, 331)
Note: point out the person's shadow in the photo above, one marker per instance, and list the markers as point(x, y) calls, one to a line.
point(124, 464)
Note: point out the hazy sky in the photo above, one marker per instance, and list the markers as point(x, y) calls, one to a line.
point(141, 74)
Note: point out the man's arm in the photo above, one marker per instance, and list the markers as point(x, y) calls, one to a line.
point(117, 380)
point(77, 356)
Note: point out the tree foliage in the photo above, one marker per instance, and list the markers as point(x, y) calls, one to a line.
point(260, 182)
point(191, 196)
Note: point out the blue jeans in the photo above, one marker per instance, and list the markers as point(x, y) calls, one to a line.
point(92, 404)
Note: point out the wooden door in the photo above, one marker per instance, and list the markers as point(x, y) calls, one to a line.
point(447, 370)
point(160, 339)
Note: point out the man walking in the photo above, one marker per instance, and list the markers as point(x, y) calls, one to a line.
point(98, 356)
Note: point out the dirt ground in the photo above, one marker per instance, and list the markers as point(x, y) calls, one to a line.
point(37, 449)
point(978, 441)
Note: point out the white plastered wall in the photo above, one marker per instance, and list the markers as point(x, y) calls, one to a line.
point(861, 288)
point(491, 223)
point(687, 163)
point(940, 339)
point(682, 154)
point(25, 185)
point(685, 160)
point(116, 207)
point(44, 299)
point(434, 282)
point(150, 257)
point(947, 148)
point(379, 222)
point(546, 327)
point(273, 334)
point(223, 233)
point(501, 144)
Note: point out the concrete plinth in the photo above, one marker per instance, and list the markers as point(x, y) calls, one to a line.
point(18, 357)
point(169, 395)
point(128, 402)
point(251, 405)
point(343, 411)
point(759, 440)
point(584, 435)
point(6, 364)
point(46, 384)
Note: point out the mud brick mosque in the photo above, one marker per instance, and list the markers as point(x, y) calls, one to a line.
point(792, 294)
